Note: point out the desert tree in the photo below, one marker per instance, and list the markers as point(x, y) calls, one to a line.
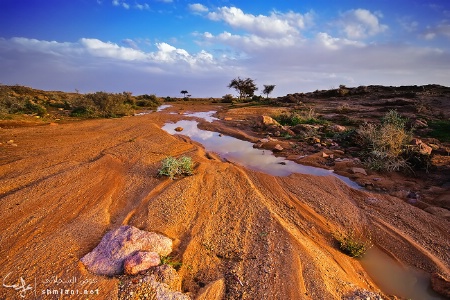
point(245, 87)
point(268, 88)
point(184, 92)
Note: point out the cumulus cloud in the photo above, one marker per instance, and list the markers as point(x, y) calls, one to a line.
point(285, 49)
point(361, 24)
point(272, 25)
point(198, 8)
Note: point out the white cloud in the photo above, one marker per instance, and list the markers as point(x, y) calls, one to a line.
point(442, 29)
point(198, 8)
point(360, 24)
point(272, 25)
point(144, 6)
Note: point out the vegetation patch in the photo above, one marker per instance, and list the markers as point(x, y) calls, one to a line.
point(168, 260)
point(299, 117)
point(387, 142)
point(173, 167)
point(440, 130)
point(352, 245)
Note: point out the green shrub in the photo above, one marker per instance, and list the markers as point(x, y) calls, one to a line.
point(299, 117)
point(168, 260)
point(440, 130)
point(172, 167)
point(228, 98)
point(386, 142)
point(352, 245)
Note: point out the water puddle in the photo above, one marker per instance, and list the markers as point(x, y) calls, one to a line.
point(395, 279)
point(392, 278)
point(205, 115)
point(163, 107)
point(243, 153)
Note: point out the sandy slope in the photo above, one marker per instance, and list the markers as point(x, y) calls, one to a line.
point(269, 237)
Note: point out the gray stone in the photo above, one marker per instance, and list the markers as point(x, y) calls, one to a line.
point(117, 245)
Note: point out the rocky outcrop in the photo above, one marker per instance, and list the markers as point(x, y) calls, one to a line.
point(120, 244)
point(267, 121)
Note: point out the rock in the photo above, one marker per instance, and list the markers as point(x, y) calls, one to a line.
point(358, 171)
point(266, 121)
point(277, 148)
point(117, 245)
point(264, 140)
point(213, 291)
point(140, 261)
point(440, 284)
point(324, 155)
point(10, 142)
point(419, 123)
point(421, 147)
point(178, 129)
point(277, 133)
point(338, 128)
point(228, 119)
point(425, 149)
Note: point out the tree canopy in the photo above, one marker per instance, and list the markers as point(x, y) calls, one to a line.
point(268, 89)
point(245, 87)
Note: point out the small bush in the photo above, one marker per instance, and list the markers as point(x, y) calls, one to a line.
point(228, 98)
point(299, 117)
point(172, 167)
point(352, 245)
point(387, 142)
point(168, 260)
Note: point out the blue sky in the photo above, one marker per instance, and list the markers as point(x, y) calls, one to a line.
point(164, 46)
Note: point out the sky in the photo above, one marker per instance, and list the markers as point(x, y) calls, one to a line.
point(165, 46)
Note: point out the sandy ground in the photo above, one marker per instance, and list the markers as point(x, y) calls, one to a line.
point(64, 186)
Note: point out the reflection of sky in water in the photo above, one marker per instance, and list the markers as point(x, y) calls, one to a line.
point(206, 115)
point(243, 153)
point(163, 107)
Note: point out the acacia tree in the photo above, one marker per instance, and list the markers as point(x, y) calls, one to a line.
point(245, 87)
point(184, 92)
point(268, 89)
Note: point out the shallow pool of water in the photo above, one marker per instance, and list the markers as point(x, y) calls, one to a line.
point(395, 279)
point(163, 107)
point(243, 153)
point(205, 115)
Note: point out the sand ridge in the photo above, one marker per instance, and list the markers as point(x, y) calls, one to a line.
point(268, 237)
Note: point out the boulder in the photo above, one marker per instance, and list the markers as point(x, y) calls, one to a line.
point(358, 171)
point(277, 148)
point(440, 284)
point(266, 121)
point(140, 261)
point(119, 244)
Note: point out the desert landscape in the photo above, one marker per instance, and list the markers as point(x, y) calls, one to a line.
point(237, 232)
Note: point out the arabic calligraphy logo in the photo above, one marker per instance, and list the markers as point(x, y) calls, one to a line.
point(22, 287)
